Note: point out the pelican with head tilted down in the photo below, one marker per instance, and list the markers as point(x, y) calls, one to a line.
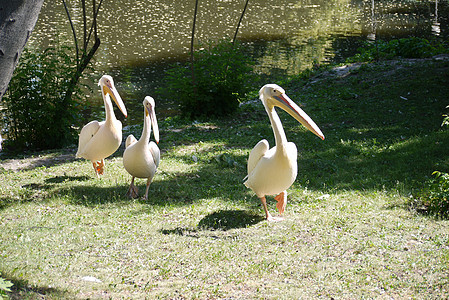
point(98, 140)
point(273, 171)
point(141, 157)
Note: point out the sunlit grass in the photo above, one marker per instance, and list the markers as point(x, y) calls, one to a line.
point(348, 232)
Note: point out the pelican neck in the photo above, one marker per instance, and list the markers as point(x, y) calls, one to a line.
point(110, 116)
point(146, 131)
point(278, 130)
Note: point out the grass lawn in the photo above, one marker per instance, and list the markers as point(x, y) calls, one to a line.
point(349, 232)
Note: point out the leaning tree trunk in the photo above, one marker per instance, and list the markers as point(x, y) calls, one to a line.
point(17, 20)
point(192, 58)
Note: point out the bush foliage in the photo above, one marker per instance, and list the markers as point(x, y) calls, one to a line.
point(222, 76)
point(436, 199)
point(38, 116)
point(412, 47)
point(4, 288)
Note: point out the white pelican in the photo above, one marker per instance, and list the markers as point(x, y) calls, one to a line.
point(273, 171)
point(141, 157)
point(98, 140)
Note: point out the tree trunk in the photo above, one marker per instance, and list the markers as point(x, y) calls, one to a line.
point(192, 66)
point(17, 21)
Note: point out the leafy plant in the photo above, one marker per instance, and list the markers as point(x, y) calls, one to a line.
point(38, 115)
point(223, 75)
point(436, 199)
point(446, 119)
point(412, 47)
point(4, 288)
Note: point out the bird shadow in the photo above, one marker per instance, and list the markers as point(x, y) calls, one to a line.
point(64, 178)
point(220, 220)
point(229, 219)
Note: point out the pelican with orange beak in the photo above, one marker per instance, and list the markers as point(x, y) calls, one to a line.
point(98, 140)
point(273, 171)
point(141, 157)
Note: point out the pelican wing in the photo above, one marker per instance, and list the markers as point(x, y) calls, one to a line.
point(86, 134)
point(154, 149)
point(254, 156)
point(130, 140)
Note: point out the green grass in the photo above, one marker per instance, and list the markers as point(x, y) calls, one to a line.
point(349, 230)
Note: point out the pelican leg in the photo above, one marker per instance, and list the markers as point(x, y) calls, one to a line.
point(95, 168)
point(282, 202)
point(100, 167)
point(264, 204)
point(133, 191)
point(150, 179)
point(267, 213)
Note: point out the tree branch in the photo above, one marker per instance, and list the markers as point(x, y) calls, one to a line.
point(93, 27)
point(240, 21)
point(73, 31)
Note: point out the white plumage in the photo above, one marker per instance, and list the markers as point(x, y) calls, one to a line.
point(141, 157)
point(273, 171)
point(98, 140)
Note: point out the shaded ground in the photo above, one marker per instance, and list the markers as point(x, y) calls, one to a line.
point(41, 160)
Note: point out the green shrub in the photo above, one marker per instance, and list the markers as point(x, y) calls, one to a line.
point(436, 199)
point(445, 119)
point(37, 115)
point(223, 76)
point(4, 288)
point(412, 47)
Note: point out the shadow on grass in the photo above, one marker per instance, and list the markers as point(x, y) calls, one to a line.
point(229, 219)
point(64, 178)
point(215, 178)
point(34, 190)
point(402, 165)
point(21, 289)
point(219, 220)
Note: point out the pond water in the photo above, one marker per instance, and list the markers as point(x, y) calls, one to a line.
point(139, 39)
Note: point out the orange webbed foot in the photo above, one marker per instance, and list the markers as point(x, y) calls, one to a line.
point(100, 167)
point(282, 202)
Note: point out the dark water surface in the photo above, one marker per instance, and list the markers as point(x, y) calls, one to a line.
point(139, 39)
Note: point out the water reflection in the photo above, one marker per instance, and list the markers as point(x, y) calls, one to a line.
point(140, 38)
point(436, 30)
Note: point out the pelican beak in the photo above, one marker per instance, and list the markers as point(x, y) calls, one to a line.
point(296, 112)
point(153, 119)
point(112, 91)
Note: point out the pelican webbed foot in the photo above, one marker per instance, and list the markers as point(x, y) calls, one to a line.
point(268, 216)
point(98, 167)
point(282, 202)
point(94, 164)
point(275, 219)
point(133, 191)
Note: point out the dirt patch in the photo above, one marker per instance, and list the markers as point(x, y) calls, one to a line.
point(39, 160)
